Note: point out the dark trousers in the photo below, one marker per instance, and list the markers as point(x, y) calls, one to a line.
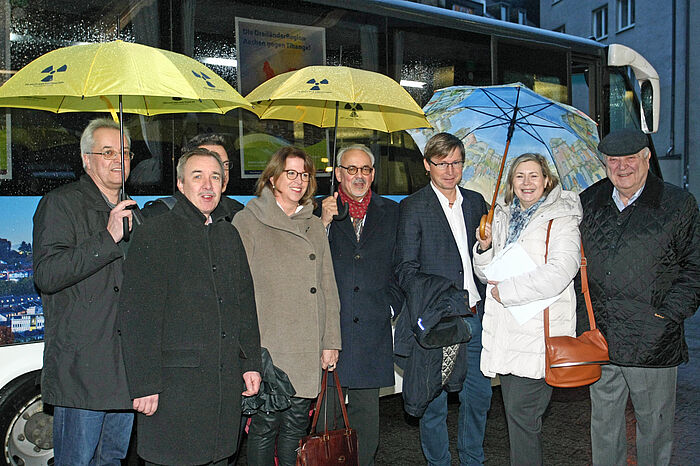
point(285, 428)
point(525, 401)
point(363, 414)
point(223, 462)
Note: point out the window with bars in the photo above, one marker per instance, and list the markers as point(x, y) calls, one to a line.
point(625, 14)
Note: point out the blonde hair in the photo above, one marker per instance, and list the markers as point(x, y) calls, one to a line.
point(552, 180)
point(275, 168)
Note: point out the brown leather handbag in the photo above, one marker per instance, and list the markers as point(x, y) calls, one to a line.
point(334, 448)
point(569, 361)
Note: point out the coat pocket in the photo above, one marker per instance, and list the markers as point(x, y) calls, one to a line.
point(181, 358)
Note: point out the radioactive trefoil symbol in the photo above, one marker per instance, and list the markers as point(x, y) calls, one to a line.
point(49, 72)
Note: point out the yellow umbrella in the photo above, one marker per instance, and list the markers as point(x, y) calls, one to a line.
point(363, 99)
point(338, 96)
point(92, 78)
point(119, 77)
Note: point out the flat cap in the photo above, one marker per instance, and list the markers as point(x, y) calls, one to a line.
point(623, 142)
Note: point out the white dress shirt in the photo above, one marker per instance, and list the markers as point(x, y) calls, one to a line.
point(455, 217)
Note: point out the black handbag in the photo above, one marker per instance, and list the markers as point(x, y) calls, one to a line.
point(334, 448)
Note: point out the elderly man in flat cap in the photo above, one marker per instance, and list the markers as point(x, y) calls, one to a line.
point(642, 240)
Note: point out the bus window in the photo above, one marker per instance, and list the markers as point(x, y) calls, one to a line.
point(542, 69)
point(623, 113)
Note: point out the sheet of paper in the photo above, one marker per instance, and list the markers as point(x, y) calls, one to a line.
point(511, 262)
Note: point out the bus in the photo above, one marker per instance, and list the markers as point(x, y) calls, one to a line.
point(247, 41)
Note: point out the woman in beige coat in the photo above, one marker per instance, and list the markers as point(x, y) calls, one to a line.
point(295, 294)
point(516, 351)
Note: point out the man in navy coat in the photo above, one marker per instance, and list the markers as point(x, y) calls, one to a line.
point(434, 242)
point(362, 247)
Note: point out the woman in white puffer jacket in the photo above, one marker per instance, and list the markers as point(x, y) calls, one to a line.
point(516, 352)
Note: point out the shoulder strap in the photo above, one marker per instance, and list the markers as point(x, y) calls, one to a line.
point(319, 401)
point(584, 286)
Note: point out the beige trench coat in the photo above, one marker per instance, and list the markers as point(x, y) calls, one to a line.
point(295, 290)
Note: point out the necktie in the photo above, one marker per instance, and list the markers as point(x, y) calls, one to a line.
point(357, 225)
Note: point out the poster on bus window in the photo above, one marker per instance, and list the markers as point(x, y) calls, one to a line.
point(265, 50)
point(5, 152)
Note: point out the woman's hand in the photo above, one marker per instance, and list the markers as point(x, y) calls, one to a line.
point(494, 291)
point(329, 358)
point(485, 243)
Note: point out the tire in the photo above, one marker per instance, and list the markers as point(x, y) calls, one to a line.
point(26, 431)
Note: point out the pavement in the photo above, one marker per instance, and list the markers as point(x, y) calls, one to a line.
point(566, 427)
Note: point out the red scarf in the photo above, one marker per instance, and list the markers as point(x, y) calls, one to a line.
point(358, 209)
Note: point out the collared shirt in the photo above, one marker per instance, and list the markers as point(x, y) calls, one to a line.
point(455, 217)
point(618, 201)
point(299, 207)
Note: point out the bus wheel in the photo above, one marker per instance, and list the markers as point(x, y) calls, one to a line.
point(26, 431)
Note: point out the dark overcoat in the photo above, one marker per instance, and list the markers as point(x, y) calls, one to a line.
point(643, 271)
point(368, 290)
point(189, 329)
point(78, 270)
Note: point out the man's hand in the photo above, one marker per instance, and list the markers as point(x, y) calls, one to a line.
point(115, 225)
point(485, 243)
point(329, 358)
point(494, 291)
point(329, 209)
point(146, 404)
point(252, 381)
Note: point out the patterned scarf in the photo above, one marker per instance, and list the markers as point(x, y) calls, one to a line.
point(519, 218)
point(358, 209)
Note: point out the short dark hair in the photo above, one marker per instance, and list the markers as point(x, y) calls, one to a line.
point(204, 139)
point(197, 151)
point(441, 145)
point(275, 167)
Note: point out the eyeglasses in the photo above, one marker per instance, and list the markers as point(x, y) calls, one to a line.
point(293, 175)
point(111, 154)
point(352, 169)
point(444, 165)
point(226, 164)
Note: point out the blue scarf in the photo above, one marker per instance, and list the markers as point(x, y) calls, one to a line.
point(519, 218)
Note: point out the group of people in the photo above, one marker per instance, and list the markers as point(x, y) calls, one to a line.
point(170, 324)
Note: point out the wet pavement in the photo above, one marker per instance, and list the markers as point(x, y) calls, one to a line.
point(565, 428)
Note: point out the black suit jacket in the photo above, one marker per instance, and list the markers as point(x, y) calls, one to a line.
point(425, 244)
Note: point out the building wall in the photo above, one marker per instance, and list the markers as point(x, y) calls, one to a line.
point(652, 36)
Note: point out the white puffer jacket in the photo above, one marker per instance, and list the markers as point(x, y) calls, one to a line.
point(510, 348)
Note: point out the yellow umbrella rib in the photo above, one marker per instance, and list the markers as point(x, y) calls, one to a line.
point(90, 68)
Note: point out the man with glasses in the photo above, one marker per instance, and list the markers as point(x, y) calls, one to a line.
point(78, 262)
point(214, 143)
point(434, 268)
point(362, 246)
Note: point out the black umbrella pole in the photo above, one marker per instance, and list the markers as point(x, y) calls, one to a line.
point(345, 208)
point(122, 194)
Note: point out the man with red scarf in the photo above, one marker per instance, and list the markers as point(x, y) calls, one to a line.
point(362, 246)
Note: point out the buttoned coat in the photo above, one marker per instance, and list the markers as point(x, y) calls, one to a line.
point(189, 330)
point(643, 271)
point(78, 269)
point(368, 290)
point(295, 290)
point(518, 349)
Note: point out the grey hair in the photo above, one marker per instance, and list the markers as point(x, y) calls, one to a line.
point(87, 139)
point(361, 147)
point(197, 151)
point(204, 139)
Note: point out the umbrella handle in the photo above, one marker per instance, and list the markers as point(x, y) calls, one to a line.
point(488, 218)
point(125, 224)
point(343, 213)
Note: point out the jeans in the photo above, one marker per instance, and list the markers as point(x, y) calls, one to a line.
point(95, 438)
point(474, 403)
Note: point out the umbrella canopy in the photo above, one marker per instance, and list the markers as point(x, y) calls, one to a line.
point(481, 118)
point(363, 99)
point(92, 77)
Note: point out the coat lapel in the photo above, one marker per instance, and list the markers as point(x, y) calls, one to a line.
point(345, 226)
point(373, 219)
point(435, 208)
